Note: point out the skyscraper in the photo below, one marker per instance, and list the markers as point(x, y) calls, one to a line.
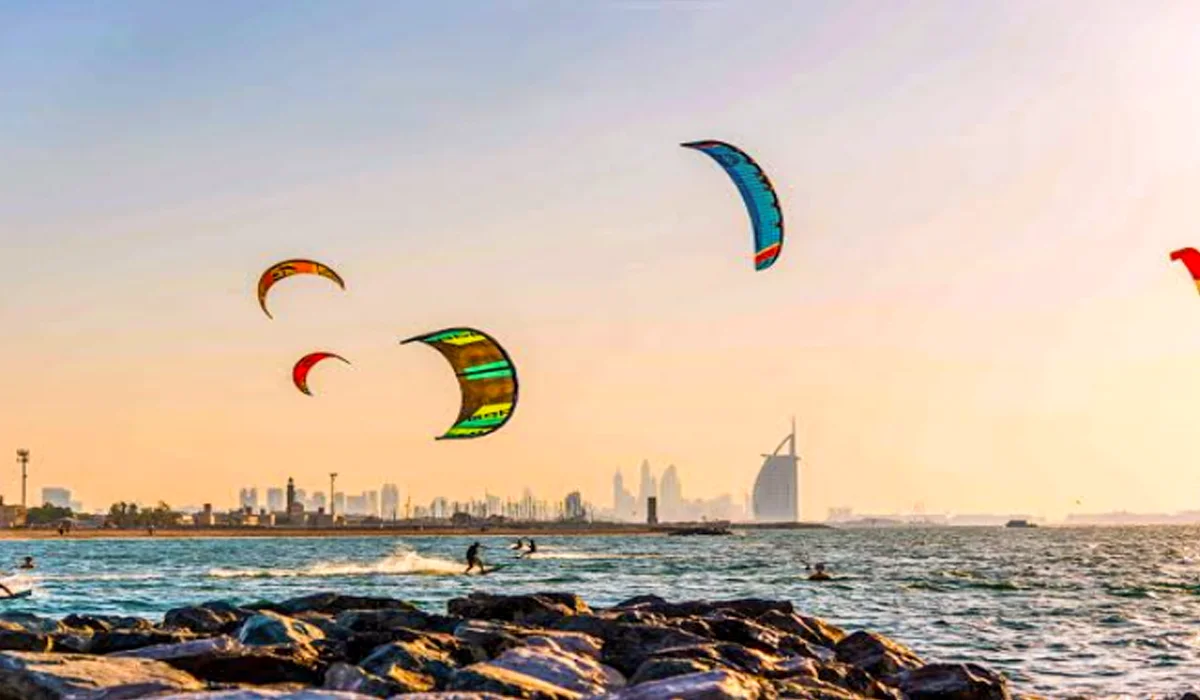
point(248, 498)
point(573, 506)
point(389, 502)
point(646, 489)
point(670, 497)
point(275, 502)
point(775, 489)
point(372, 503)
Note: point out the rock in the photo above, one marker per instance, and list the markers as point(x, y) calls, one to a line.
point(72, 642)
point(105, 623)
point(489, 638)
point(119, 640)
point(953, 682)
point(711, 685)
point(725, 654)
point(214, 617)
point(743, 607)
point(640, 600)
point(573, 642)
point(399, 660)
point(855, 679)
point(32, 676)
point(486, 678)
point(876, 654)
point(582, 674)
point(352, 678)
point(268, 695)
point(334, 603)
point(268, 628)
point(21, 640)
point(30, 623)
point(536, 608)
point(813, 689)
point(654, 669)
point(627, 645)
point(453, 696)
point(753, 635)
point(226, 660)
point(811, 629)
point(389, 619)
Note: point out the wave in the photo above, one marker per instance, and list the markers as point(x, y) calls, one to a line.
point(560, 554)
point(402, 563)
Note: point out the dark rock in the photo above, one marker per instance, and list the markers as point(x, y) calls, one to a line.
point(215, 617)
point(490, 638)
point(711, 685)
point(334, 603)
point(269, 629)
point(582, 674)
point(388, 619)
point(269, 694)
point(640, 600)
point(853, 678)
point(953, 682)
point(412, 657)
point(486, 678)
point(726, 654)
point(32, 676)
point(111, 642)
point(539, 608)
point(747, 633)
point(453, 696)
point(226, 660)
point(105, 623)
point(658, 668)
point(628, 645)
point(72, 642)
point(352, 678)
point(573, 642)
point(30, 623)
point(811, 629)
point(876, 654)
point(743, 607)
point(813, 689)
point(20, 640)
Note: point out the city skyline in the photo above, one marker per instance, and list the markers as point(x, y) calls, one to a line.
point(974, 306)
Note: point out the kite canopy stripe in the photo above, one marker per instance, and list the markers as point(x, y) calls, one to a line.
point(286, 269)
point(306, 363)
point(766, 218)
point(1190, 258)
point(486, 378)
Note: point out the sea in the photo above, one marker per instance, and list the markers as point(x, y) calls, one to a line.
point(1102, 612)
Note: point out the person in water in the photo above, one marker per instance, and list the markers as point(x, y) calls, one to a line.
point(473, 559)
point(820, 573)
point(532, 548)
point(520, 543)
point(27, 564)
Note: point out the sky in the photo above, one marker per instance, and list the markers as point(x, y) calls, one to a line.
point(974, 310)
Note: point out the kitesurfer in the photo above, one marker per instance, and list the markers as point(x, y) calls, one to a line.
point(532, 548)
point(519, 545)
point(473, 559)
point(27, 563)
point(820, 573)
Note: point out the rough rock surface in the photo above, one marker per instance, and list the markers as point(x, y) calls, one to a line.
point(953, 682)
point(32, 676)
point(334, 603)
point(539, 607)
point(582, 674)
point(488, 678)
point(876, 654)
point(711, 685)
point(268, 628)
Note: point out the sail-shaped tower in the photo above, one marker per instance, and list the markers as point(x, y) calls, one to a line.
point(776, 490)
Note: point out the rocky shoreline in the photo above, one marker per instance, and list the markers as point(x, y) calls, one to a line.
point(546, 646)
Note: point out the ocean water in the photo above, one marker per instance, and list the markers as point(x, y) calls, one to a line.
point(1101, 611)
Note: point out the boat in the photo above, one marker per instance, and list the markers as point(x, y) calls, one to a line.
point(1019, 523)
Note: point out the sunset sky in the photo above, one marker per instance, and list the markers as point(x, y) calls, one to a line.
point(974, 309)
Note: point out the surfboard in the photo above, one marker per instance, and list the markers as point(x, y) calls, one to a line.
point(18, 594)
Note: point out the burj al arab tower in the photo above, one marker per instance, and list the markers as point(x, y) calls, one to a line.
point(777, 488)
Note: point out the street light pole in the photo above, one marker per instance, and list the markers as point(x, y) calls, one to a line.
point(23, 460)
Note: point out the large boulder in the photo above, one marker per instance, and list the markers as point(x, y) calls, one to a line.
point(814, 689)
point(213, 617)
point(811, 629)
point(32, 676)
point(658, 668)
point(226, 660)
point(742, 607)
point(582, 674)
point(30, 623)
point(711, 685)
point(342, 676)
point(24, 640)
point(390, 618)
point(953, 682)
point(487, 678)
point(269, 629)
point(572, 642)
point(627, 646)
point(124, 640)
point(334, 603)
point(538, 608)
point(105, 623)
point(421, 657)
point(876, 654)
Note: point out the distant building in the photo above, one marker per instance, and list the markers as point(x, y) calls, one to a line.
point(652, 510)
point(670, 496)
point(291, 495)
point(355, 505)
point(248, 498)
point(389, 501)
point(317, 502)
point(372, 504)
point(275, 501)
point(647, 488)
point(57, 497)
point(339, 503)
point(11, 516)
point(573, 507)
point(624, 504)
point(775, 489)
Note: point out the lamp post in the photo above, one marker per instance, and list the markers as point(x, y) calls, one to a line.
point(332, 477)
point(23, 460)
